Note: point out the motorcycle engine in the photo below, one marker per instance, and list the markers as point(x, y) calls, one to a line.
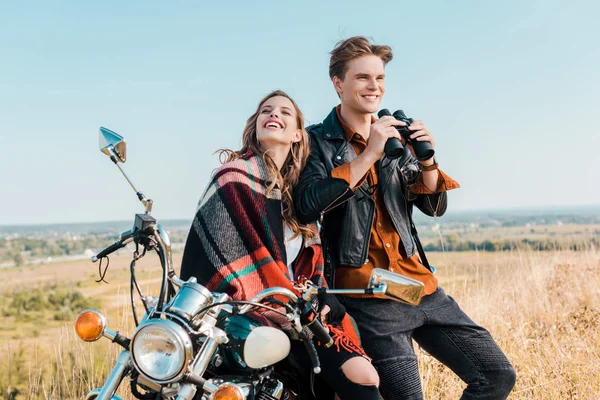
point(273, 389)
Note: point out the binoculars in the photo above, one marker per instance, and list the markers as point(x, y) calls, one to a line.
point(393, 147)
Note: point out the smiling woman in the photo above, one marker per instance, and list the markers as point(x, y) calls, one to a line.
point(277, 128)
point(283, 148)
point(245, 237)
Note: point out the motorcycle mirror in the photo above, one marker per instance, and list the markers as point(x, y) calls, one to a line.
point(389, 285)
point(113, 145)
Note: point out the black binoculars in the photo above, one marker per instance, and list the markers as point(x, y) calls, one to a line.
point(393, 147)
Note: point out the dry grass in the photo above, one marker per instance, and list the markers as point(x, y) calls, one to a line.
point(43, 358)
point(542, 308)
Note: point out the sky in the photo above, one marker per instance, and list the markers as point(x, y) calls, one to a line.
point(508, 89)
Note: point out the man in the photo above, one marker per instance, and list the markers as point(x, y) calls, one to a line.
point(364, 201)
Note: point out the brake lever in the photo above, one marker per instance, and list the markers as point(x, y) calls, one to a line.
point(312, 352)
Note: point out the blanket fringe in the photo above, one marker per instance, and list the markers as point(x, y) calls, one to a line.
point(345, 341)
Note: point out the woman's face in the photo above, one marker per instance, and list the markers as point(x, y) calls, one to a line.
point(276, 124)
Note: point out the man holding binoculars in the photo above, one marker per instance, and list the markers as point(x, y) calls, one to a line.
point(361, 181)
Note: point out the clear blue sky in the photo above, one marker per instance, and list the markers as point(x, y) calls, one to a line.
point(509, 90)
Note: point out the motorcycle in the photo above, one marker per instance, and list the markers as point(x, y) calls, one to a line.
point(195, 344)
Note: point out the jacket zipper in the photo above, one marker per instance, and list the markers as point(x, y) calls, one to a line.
point(332, 205)
point(371, 214)
point(365, 249)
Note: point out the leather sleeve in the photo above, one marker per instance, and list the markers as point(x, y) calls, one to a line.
point(432, 204)
point(317, 191)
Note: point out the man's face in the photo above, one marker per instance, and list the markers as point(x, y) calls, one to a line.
point(363, 86)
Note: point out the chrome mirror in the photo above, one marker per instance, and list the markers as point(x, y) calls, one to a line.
point(385, 285)
point(113, 145)
point(389, 285)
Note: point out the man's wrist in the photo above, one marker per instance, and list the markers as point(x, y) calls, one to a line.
point(429, 165)
point(369, 156)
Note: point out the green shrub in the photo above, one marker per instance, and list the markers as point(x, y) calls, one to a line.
point(59, 303)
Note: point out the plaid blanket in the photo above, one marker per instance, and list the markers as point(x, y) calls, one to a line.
point(236, 242)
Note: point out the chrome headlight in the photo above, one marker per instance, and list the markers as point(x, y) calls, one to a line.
point(161, 350)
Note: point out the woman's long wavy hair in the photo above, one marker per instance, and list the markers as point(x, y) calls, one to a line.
point(289, 175)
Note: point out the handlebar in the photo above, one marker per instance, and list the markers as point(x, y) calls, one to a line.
point(317, 329)
point(274, 291)
point(111, 249)
point(124, 239)
point(312, 353)
point(308, 318)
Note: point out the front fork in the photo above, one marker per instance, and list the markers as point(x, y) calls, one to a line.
point(107, 392)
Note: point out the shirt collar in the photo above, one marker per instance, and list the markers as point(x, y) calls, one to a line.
point(349, 131)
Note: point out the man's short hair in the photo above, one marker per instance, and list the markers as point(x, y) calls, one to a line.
point(355, 47)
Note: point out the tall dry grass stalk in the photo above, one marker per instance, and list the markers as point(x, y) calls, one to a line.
point(543, 309)
point(63, 367)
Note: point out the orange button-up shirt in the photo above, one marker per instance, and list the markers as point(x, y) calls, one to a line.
point(384, 244)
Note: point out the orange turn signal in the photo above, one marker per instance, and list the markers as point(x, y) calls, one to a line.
point(90, 325)
point(228, 392)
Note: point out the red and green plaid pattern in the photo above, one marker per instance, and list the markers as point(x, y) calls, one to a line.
point(236, 242)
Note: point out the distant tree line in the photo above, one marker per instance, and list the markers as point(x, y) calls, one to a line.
point(20, 250)
point(25, 249)
point(451, 243)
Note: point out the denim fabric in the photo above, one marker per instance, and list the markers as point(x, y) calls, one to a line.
point(442, 329)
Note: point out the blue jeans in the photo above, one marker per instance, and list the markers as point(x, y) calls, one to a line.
point(442, 329)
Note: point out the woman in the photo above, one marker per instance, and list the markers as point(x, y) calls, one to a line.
point(245, 237)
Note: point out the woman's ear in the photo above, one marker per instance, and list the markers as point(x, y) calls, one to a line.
point(297, 136)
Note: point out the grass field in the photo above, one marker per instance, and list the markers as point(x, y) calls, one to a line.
point(563, 233)
point(543, 308)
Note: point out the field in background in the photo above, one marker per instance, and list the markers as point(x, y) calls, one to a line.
point(568, 232)
point(543, 308)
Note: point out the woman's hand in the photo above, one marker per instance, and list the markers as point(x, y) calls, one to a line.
point(324, 311)
point(331, 310)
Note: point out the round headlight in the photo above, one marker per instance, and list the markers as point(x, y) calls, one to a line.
point(161, 350)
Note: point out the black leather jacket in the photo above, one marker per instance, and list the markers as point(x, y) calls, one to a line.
point(347, 215)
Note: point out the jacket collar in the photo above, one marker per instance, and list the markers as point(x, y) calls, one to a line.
point(332, 128)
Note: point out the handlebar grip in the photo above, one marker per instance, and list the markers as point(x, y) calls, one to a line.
point(320, 332)
point(110, 249)
point(312, 353)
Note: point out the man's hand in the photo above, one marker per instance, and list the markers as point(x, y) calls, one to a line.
point(421, 134)
point(381, 131)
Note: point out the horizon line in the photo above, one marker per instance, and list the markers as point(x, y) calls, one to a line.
point(459, 210)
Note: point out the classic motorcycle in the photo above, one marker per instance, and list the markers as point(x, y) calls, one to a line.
point(195, 344)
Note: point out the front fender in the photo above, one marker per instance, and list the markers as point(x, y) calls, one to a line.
point(119, 371)
point(94, 393)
